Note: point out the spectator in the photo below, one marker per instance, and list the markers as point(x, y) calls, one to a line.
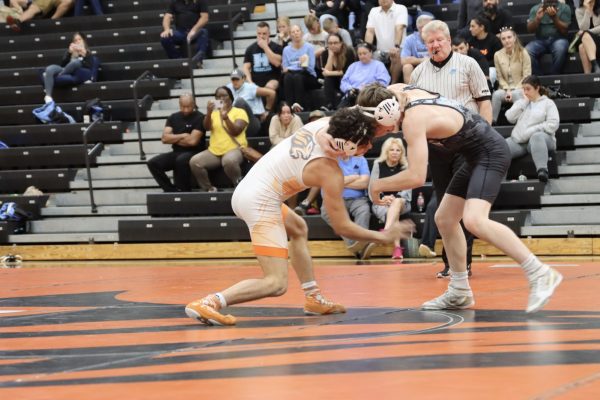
point(315, 35)
point(283, 31)
point(190, 19)
point(468, 9)
point(414, 51)
point(284, 124)
point(495, 16)
point(336, 61)
point(94, 4)
point(512, 65)
point(356, 180)
point(588, 20)
point(461, 45)
point(184, 131)
point(387, 23)
point(77, 60)
point(430, 231)
point(225, 124)
point(327, 9)
point(248, 96)
point(44, 7)
point(550, 22)
point(537, 120)
point(486, 43)
point(482, 40)
point(457, 77)
point(331, 26)
point(391, 161)
point(262, 64)
point(299, 75)
point(364, 71)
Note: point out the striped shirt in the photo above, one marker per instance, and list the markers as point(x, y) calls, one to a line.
point(460, 79)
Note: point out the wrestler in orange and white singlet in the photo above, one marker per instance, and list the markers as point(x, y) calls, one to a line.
point(295, 164)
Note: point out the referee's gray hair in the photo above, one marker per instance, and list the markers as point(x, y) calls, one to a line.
point(436, 26)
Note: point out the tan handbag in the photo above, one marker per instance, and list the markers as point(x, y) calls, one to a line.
point(248, 152)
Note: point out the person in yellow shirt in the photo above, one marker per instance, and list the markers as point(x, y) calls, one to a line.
point(227, 126)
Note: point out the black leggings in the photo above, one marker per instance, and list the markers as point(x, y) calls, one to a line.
point(296, 85)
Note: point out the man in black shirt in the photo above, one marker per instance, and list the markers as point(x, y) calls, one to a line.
point(496, 17)
point(262, 61)
point(190, 17)
point(185, 132)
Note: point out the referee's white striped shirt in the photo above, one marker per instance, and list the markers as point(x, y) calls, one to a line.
point(460, 79)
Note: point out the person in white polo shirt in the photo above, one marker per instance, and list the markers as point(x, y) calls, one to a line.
point(387, 24)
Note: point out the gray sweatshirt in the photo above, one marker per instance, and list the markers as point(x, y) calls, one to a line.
point(531, 117)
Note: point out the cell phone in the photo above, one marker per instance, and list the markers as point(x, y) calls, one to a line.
point(218, 104)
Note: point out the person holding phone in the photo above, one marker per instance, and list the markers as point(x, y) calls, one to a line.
point(550, 22)
point(76, 57)
point(225, 123)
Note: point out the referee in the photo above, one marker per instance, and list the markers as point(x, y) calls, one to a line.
point(456, 77)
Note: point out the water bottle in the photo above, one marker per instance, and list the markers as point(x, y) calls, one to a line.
point(351, 20)
point(420, 202)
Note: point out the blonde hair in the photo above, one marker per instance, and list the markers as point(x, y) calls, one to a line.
point(385, 149)
point(309, 21)
point(284, 19)
point(436, 26)
point(518, 49)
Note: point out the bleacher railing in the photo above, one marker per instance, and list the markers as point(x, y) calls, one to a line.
point(136, 107)
point(88, 154)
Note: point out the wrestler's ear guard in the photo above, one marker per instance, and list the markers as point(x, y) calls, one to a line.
point(347, 146)
point(386, 113)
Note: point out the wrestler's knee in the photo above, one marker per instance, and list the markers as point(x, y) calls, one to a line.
point(277, 285)
point(475, 223)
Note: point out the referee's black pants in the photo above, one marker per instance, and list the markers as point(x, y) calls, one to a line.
point(179, 163)
point(443, 166)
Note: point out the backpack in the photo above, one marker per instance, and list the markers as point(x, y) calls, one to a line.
point(51, 113)
point(96, 110)
point(9, 211)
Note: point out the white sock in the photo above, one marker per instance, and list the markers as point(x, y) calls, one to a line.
point(459, 280)
point(221, 300)
point(533, 267)
point(310, 287)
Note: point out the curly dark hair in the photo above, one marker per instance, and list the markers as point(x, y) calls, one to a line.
point(351, 124)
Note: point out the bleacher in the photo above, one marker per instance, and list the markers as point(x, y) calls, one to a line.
point(130, 206)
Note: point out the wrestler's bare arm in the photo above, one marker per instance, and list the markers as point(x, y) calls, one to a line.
point(414, 128)
point(325, 173)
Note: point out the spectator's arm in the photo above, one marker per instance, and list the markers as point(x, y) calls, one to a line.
point(166, 22)
point(514, 112)
point(192, 139)
point(562, 26)
point(535, 17)
point(275, 131)
point(168, 137)
point(345, 84)
point(273, 57)
point(502, 83)
point(398, 34)
point(201, 22)
point(370, 35)
point(360, 182)
point(247, 68)
point(526, 65)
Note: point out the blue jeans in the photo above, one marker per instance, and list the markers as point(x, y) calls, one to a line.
point(52, 71)
point(95, 4)
point(555, 46)
point(173, 45)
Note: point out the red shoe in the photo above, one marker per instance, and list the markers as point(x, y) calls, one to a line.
point(397, 254)
point(14, 23)
point(313, 211)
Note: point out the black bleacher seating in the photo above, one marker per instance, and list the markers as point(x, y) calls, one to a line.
point(47, 180)
point(449, 12)
point(32, 205)
point(196, 203)
point(110, 53)
point(205, 229)
point(525, 166)
point(72, 155)
point(565, 135)
point(38, 135)
point(260, 143)
point(121, 110)
point(11, 227)
point(118, 71)
point(114, 90)
point(576, 85)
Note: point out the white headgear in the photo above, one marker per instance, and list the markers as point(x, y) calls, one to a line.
point(387, 113)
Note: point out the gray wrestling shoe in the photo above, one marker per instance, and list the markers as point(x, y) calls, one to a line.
point(541, 289)
point(452, 299)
